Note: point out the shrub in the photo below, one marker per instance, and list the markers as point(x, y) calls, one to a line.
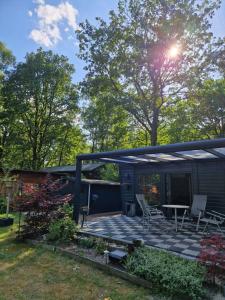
point(100, 246)
point(87, 242)
point(177, 276)
point(62, 230)
point(97, 243)
point(2, 205)
point(40, 205)
point(212, 254)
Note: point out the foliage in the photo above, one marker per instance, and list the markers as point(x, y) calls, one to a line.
point(8, 187)
point(2, 205)
point(62, 230)
point(107, 125)
point(174, 274)
point(42, 102)
point(110, 172)
point(87, 242)
point(212, 254)
point(7, 61)
point(100, 246)
point(128, 57)
point(209, 108)
point(40, 206)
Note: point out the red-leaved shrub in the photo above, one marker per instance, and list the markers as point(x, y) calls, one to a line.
point(40, 207)
point(212, 254)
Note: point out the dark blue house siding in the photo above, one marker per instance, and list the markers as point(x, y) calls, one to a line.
point(211, 179)
point(207, 178)
point(127, 185)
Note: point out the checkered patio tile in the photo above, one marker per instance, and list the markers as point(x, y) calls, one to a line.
point(161, 235)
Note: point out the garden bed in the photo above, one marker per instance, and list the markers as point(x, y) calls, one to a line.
point(90, 257)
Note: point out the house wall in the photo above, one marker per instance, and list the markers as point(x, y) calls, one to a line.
point(103, 197)
point(207, 178)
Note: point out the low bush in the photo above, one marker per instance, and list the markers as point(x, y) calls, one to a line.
point(177, 276)
point(100, 246)
point(2, 205)
point(87, 242)
point(62, 230)
point(212, 255)
point(97, 243)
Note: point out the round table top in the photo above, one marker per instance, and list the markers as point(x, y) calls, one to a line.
point(175, 206)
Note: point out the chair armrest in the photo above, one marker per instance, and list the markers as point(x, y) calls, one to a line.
point(216, 215)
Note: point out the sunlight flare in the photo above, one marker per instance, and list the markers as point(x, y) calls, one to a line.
point(174, 51)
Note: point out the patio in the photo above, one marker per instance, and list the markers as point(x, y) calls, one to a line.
point(185, 242)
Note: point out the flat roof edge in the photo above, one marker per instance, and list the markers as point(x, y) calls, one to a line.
point(193, 145)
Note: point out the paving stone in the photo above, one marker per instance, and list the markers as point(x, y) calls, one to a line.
point(120, 227)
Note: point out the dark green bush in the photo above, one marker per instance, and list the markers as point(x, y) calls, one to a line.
point(2, 205)
point(175, 275)
point(87, 242)
point(63, 230)
point(100, 246)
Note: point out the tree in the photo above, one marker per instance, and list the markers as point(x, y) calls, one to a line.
point(41, 95)
point(148, 52)
point(7, 61)
point(107, 125)
point(209, 108)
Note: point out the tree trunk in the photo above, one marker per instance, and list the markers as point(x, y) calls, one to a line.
point(154, 127)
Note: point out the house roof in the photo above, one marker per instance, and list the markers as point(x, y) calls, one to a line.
point(186, 151)
point(72, 168)
point(100, 182)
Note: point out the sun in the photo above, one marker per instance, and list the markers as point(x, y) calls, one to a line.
point(173, 51)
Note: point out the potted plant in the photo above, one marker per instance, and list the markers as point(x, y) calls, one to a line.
point(7, 188)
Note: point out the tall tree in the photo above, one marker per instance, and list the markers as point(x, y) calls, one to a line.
point(41, 94)
point(208, 108)
point(107, 125)
point(7, 61)
point(149, 51)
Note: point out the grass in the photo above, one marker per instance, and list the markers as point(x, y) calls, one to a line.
point(34, 273)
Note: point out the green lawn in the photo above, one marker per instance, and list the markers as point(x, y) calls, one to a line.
point(34, 273)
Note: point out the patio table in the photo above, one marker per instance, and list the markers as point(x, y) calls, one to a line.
point(175, 210)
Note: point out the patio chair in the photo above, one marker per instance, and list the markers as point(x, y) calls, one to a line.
point(213, 218)
point(149, 213)
point(197, 209)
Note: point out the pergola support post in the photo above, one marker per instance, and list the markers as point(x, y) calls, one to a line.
point(76, 199)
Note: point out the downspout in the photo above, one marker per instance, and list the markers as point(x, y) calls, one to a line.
point(76, 199)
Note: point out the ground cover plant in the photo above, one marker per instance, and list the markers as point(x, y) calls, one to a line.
point(173, 274)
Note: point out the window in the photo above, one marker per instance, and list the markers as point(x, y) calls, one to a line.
point(149, 185)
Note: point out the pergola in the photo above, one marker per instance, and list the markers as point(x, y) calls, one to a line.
point(172, 153)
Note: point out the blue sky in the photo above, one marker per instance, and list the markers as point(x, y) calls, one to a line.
point(26, 25)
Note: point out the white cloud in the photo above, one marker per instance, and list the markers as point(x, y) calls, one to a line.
point(50, 18)
point(30, 14)
point(39, 2)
